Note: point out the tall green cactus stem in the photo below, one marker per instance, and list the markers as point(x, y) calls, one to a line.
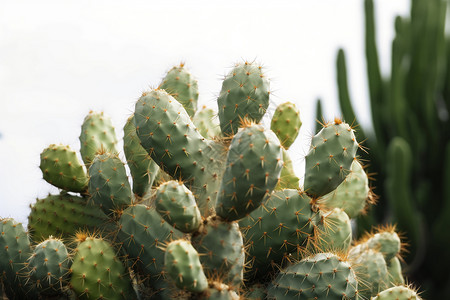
point(142, 233)
point(49, 267)
point(60, 166)
point(397, 185)
point(142, 167)
point(169, 136)
point(15, 250)
point(323, 276)
point(244, 95)
point(176, 204)
point(108, 183)
point(280, 226)
point(334, 232)
point(221, 250)
point(62, 216)
point(97, 273)
point(97, 134)
point(252, 171)
point(288, 179)
point(182, 86)
point(182, 263)
point(352, 194)
point(372, 272)
point(329, 160)
point(397, 293)
point(207, 123)
point(286, 123)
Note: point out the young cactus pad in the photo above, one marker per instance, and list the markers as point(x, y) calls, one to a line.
point(177, 206)
point(252, 171)
point(180, 84)
point(182, 262)
point(323, 276)
point(60, 167)
point(244, 95)
point(97, 134)
point(352, 194)
point(329, 160)
point(97, 273)
point(286, 123)
point(398, 293)
point(108, 183)
point(49, 266)
point(142, 167)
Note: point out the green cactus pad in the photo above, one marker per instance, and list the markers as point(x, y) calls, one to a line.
point(142, 233)
point(97, 134)
point(334, 232)
point(169, 136)
point(207, 123)
point(15, 250)
point(177, 206)
point(352, 194)
point(108, 183)
point(253, 169)
point(60, 166)
point(397, 293)
point(180, 84)
point(281, 226)
point(219, 291)
point(372, 272)
point(387, 242)
point(286, 123)
point(142, 167)
point(244, 95)
point(62, 216)
point(49, 267)
point(323, 276)
point(97, 273)
point(221, 249)
point(394, 269)
point(329, 160)
point(182, 262)
point(288, 179)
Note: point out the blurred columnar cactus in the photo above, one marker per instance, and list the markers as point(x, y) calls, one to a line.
point(409, 140)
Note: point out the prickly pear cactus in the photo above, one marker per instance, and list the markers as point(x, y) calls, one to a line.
point(142, 167)
point(182, 262)
point(15, 249)
point(252, 171)
point(97, 134)
point(60, 166)
point(334, 231)
point(286, 123)
point(49, 267)
point(176, 204)
point(244, 95)
point(352, 194)
point(108, 183)
point(97, 272)
point(62, 215)
point(398, 293)
point(182, 86)
point(323, 276)
point(207, 123)
point(328, 162)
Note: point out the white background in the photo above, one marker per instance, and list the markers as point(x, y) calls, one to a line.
point(61, 59)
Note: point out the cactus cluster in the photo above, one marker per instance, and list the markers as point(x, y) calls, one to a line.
point(226, 218)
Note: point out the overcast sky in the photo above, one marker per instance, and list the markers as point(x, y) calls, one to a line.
point(61, 59)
